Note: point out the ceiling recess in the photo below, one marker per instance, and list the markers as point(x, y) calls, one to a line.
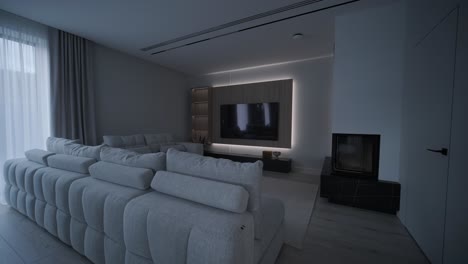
point(239, 22)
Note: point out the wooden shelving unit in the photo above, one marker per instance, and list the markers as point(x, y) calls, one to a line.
point(201, 115)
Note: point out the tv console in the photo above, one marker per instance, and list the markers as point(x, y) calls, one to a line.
point(372, 194)
point(277, 165)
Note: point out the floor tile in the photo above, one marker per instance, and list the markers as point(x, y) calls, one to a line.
point(342, 234)
point(8, 255)
point(27, 239)
point(63, 254)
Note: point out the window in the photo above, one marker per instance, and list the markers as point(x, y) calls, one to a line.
point(19, 57)
point(24, 88)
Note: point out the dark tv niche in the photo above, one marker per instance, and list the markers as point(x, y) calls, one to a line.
point(257, 121)
point(356, 155)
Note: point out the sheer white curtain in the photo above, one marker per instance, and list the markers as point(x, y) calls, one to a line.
point(24, 88)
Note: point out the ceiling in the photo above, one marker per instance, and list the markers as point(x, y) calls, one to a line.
point(129, 26)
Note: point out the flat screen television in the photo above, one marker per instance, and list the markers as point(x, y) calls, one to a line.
point(257, 121)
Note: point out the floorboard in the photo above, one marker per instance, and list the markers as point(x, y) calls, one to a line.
point(342, 234)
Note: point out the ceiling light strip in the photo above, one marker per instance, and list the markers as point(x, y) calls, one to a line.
point(234, 23)
point(256, 26)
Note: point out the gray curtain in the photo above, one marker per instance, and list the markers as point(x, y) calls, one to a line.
point(72, 94)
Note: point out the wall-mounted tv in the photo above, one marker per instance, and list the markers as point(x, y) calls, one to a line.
point(250, 121)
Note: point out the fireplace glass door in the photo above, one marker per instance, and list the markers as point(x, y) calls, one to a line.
point(356, 154)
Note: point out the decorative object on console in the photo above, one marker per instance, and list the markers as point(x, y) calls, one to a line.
point(201, 115)
point(276, 154)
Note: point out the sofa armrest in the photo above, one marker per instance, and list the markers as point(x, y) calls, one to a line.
point(196, 148)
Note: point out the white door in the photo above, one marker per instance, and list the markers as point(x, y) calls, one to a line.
point(430, 75)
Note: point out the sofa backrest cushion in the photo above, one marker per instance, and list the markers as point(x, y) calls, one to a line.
point(124, 141)
point(165, 147)
point(57, 145)
point(70, 163)
point(155, 147)
point(247, 175)
point(138, 178)
point(153, 161)
point(217, 194)
point(154, 139)
point(38, 155)
point(140, 149)
point(79, 150)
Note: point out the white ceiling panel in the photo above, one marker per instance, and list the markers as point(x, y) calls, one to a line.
point(129, 26)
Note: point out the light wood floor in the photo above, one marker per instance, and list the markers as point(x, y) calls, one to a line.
point(342, 234)
point(336, 234)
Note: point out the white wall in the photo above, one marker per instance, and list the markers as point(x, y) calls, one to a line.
point(135, 96)
point(368, 79)
point(311, 136)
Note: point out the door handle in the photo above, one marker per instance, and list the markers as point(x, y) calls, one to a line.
point(442, 151)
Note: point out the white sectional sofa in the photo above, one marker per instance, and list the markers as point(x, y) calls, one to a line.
point(148, 143)
point(117, 206)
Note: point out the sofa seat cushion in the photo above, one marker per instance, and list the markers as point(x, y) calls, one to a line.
point(220, 195)
point(247, 175)
point(20, 173)
point(273, 216)
point(168, 229)
point(38, 155)
point(124, 141)
point(100, 205)
point(57, 145)
point(138, 178)
point(153, 161)
point(52, 185)
point(70, 163)
point(19, 177)
point(74, 149)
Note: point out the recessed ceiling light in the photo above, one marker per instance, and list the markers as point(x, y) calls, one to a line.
point(297, 36)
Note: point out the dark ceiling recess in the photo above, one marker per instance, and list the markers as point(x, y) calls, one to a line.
point(234, 23)
point(241, 21)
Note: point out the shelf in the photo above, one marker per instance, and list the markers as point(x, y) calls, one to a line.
point(200, 104)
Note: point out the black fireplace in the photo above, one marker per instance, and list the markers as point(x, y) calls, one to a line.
point(356, 155)
point(350, 176)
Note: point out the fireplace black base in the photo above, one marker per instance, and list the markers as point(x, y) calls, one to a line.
point(382, 196)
